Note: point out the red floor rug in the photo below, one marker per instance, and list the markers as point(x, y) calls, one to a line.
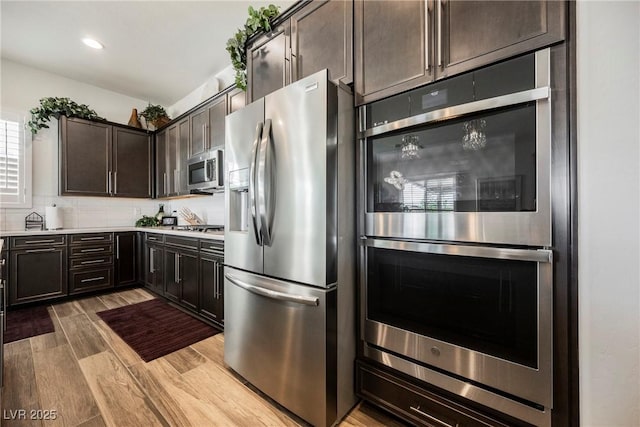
point(27, 322)
point(154, 328)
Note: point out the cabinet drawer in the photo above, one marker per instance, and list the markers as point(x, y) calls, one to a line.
point(214, 247)
point(159, 238)
point(82, 239)
point(81, 281)
point(419, 407)
point(30, 241)
point(76, 251)
point(91, 262)
point(181, 242)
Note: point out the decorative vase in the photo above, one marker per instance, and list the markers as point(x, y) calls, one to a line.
point(133, 120)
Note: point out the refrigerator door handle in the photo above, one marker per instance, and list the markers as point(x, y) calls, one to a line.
point(268, 293)
point(252, 184)
point(263, 192)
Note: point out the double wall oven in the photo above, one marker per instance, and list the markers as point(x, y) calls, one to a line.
point(455, 210)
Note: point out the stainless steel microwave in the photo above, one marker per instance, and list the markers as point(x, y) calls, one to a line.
point(205, 172)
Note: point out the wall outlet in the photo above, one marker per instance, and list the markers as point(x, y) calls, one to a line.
point(137, 211)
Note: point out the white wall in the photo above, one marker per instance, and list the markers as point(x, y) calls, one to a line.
point(22, 87)
point(213, 85)
point(608, 43)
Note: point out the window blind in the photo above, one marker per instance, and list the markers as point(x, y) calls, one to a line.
point(10, 154)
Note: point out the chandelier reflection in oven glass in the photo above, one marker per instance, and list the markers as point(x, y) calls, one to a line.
point(410, 147)
point(474, 137)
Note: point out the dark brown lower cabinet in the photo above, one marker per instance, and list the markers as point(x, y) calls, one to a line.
point(95, 279)
point(154, 268)
point(211, 288)
point(125, 258)
point(37, 274)
point(90, 262)
point(181, 276)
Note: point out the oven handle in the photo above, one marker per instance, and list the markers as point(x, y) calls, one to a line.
point(461, 110)
point(536, 255)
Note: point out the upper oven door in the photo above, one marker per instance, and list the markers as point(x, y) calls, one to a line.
point(482, 313)
point(476, 171)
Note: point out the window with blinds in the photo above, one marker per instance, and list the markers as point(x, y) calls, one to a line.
point(434, 194)
point(15, 163)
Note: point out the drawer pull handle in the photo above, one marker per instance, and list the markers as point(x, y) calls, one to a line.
point(429, 417)
point(97, 261)
point(33, 251)
point(39, 241)
point(92, 238)
point(93, 279)
point(92, 250)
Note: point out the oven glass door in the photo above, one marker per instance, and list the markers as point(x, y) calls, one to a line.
point(486, 305)
point(483, 313)
point(480, 163)
point(197, 173)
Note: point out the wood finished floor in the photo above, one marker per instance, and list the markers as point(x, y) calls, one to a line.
point(90, 377)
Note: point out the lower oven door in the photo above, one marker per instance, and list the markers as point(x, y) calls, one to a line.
point(481, 313)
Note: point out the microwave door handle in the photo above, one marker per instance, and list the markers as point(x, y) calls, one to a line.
point(263, 190)
point(206, 171)
point(252, 184)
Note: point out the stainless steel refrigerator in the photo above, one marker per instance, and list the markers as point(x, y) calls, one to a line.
point(289, 247)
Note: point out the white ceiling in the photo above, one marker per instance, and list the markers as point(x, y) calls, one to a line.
point(154, 50)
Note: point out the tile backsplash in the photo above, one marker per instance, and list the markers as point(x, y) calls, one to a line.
point(88, 212)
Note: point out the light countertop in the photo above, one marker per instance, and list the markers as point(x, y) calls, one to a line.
point(215, 235)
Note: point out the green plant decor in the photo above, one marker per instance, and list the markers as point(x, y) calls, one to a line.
point(258, 20)
point(56, 107)
point(147, 221)
point(155, 114)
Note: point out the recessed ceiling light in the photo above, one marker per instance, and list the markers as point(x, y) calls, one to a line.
point(92, 43)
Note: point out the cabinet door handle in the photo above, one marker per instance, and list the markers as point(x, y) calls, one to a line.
point(216, 279)
point(92, 250)
point(117, 247)
point(427, 15)
point(417, 410)
point(441, 33)
point(33, 251)
point(97, 261)
point(84, 239)
point(115, 182)
point(204, 136)
point(93, 279)
point(164, 183)
point(28, 242)
point(110, 188)
point(151, 266)
point(176, 268)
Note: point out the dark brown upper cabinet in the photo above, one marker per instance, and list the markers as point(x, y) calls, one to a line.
point(317, 36)
point(268, 66)
point(161, 163)
point(131, 163)
point(237, 100)
point(85, 158)
point(401, 45)
point(198, 124)
point(215, 127)
point(322, 37)
point(207, 126)
point(184, 145)
point(171, 158)
point(101, 159)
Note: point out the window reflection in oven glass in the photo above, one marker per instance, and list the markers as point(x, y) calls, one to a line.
point(486, 305)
